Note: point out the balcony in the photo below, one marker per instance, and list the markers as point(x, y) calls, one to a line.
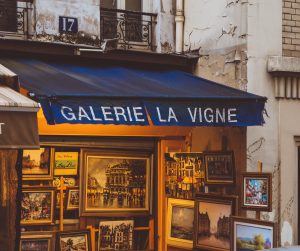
point(14, 19)
point(133, 30)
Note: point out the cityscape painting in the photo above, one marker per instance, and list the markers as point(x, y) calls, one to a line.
point(115, 235)
point(212, 228)
point(180, 221)
point(184, 174)
point(35, 245)
point(37, 206)
point(36, 164)
point(79, 241)
point(115, 184)
point(251, 235)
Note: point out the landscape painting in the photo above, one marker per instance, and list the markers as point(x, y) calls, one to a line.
point(35, 245)
point(257, 191)
point(250, 237)
point(37, 206)
point(116, 184)
point(116, 235)
point(180, 222)
point(79, 241)
point(36, 164)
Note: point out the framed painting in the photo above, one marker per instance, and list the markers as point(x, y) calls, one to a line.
point(115, 235)
point(212, 221)
point(37, 241)
point(57, 192)
point(219, 167)
point(250, 234)
point(65, 163)
point(180, 221)
point(36, 164)
point(184, 174)
point(257, 191)
point(74, 240)
point(72, 202)
point(37, 206)
point(115, 183)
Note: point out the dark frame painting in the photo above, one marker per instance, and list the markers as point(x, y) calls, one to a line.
point(180, 222)
point(115, 235)
point(37, 164)
point(74, 239)
point(254, 234)
point(72, 202)
point(37, 206)
point(37, 241)
point(257, 191)
point(212, 221)
point(115, 183)
point(219, 167)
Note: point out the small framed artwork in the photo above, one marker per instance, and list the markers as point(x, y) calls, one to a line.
point(37, 241)
point(58, 198)
point(36, 164)
point(219, 168)
point(257, 191)
point(184, 174)
point(74, 240)
point(115, 183)
point(250, 234)
point(37, 206)
point(65, 163)
point(72, 199)
point(115, 235)
point(212, 221)
point(180, 220)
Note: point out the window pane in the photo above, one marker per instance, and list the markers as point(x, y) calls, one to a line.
point(110, 4)
point(134, 5)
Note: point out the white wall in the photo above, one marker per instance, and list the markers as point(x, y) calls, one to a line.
point(48, 12)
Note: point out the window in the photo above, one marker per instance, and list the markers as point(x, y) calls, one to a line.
point(8, 15)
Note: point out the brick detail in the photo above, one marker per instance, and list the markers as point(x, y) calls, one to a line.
point(291, 28)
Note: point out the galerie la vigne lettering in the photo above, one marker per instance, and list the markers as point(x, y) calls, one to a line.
point(195, 115)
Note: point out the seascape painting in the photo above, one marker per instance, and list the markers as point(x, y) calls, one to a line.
point(116, 235)
point(37, 207)
point(117, 183)
point(36, 162)
point(251, 237)
point(256, 192)
point(213, 225)
point(182, 222)
point(76, 242)
point(34, 245)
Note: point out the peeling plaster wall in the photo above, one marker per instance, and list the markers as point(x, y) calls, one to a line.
point(48, 12)
point(263, 40)
point(165, 27)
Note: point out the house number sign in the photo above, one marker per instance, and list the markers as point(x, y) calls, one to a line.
point(68, 24)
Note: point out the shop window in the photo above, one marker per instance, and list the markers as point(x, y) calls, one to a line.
point(8, 15)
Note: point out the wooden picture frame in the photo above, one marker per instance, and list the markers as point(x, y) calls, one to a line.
point(37, 206)
point(37, 241)
point(212, 221)
point(219, 167)
point(245, 230)
point(184, 174)
point(115, 183)
point(180, 219)
point(256, 191)
point(72, 201)
point(57, 200)
point(66, 163)
point(121, 230)
point(37, 164)
point(74, 239)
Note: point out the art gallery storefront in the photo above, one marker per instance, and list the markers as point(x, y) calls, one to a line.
point(104, 133)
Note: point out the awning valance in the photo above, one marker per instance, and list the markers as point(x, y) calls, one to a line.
point(85, 94)
point(18, 120)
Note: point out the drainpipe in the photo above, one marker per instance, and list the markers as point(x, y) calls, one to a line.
point(179, 21)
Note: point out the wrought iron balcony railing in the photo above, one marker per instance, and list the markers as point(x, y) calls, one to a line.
point(134, 30)
point(14, 18)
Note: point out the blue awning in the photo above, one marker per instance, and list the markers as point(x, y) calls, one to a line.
point(85, 94)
